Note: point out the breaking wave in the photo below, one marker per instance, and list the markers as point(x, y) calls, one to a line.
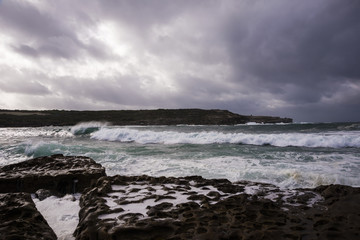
point(87, 127)
point(6, 133)
point(337, 139)
point(42, 148)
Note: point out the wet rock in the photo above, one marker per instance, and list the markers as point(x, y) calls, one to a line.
point(340, 217)
point(42, 194)
point(143, 207)
point(19, 219)
point(63, 174)
point(336, 192)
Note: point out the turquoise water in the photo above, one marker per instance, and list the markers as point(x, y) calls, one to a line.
point(287, 155)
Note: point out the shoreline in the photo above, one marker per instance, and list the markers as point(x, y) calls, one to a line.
point(267, 153)
point(24, 118)
point(145, 207)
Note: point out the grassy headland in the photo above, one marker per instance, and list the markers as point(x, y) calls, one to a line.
point(24, 118)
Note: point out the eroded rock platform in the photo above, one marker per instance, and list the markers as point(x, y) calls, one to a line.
point(143, 207)
point(58, 173)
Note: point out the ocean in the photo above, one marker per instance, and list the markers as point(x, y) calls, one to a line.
point(297, 155)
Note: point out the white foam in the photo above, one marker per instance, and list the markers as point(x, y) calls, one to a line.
point(326, 139)
point(109, 216)
point(84, 127)
point(287, 196)
point(253, 123)
point(286, 170)
point(138, 202)
point(61, 214)
point(140, 207)
point(272, 196)
point(32, 147)
point(8, 133)
point(251, 190)
point(315, 199)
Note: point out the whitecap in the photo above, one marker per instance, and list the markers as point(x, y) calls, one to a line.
point(326, 139)
point(87, 127)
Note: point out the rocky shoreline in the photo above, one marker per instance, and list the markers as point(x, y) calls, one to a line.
point(21, 118)
point(144, 207)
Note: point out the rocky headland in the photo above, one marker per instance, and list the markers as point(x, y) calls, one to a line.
point(144, 207)
point(20, 118)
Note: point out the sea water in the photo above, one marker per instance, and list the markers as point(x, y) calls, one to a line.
point(290, 156)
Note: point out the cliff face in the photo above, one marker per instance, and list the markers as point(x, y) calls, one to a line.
point(131, 117)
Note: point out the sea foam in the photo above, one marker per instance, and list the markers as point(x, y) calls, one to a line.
point(7, 133)
point(60, 213)
point(336, 139)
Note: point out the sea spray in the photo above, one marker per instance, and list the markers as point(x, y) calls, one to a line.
point(288, 155)
point(87, 127)
point(44, 148)
point(330, 139)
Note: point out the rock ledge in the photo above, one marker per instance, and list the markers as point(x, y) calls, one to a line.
point(59, 173)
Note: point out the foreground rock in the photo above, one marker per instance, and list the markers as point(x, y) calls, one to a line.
point(19, 219)
point(341, 216)
point(145, 207)
point(58, 174)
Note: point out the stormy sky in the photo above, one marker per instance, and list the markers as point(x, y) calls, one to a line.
point(298, 59)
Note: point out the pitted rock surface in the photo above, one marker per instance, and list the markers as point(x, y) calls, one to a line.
point(59, 173)
point(143, 207)
point(19, 219)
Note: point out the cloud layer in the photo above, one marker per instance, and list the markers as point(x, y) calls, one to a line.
point(292, 59)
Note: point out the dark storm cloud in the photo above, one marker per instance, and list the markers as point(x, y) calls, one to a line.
point(299, 50)
point(289, 58)
point(27, 20)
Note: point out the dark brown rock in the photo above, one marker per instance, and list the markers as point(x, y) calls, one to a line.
point(42, 194)
point(340, 218)
point(198, 208)
point(63, 174)
point(19, 219)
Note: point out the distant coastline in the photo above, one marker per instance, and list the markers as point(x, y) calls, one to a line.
point(33, 118)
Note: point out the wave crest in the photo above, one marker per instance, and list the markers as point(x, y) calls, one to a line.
point(331, 139)
point(84, 128)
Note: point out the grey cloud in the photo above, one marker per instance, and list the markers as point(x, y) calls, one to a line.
point(301, 45)
point(22, 82)
point(299, 52)
point(22, 85)
point(295, 59)
point(142, 14)
point(121, 90)
point(54, 48)
point(26, 50)
point(43, 34)
point(27, 20)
